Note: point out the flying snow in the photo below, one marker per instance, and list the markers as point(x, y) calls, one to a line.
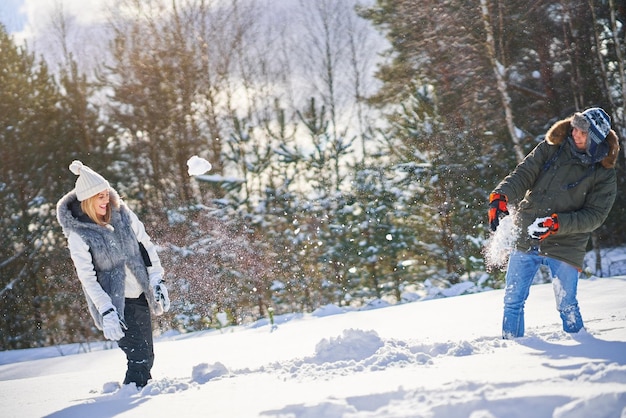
point(499, 245)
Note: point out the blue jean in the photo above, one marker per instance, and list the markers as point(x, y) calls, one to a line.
point(519, 277)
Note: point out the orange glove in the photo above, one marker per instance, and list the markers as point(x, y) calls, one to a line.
point(544, 227)
point(497, 209)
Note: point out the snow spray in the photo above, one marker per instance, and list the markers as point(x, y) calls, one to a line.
point(499, 245)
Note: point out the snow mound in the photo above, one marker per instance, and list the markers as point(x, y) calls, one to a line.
point(204, 372)
point(111, 387)
point(327, 310)
point(352, 345)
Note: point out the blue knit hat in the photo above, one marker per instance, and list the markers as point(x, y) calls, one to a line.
point(597, 124)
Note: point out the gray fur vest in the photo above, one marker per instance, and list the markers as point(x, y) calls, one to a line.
point(111, 250)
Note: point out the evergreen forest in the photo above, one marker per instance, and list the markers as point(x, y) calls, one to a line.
point(353, 145)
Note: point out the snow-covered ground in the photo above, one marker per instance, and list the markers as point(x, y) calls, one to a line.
point(435, 358)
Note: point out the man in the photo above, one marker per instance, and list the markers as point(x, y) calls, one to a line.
point(564, 190)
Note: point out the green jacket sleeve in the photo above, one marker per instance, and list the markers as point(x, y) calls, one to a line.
point(524, 176)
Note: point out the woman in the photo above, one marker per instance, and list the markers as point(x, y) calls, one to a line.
point(117, 265)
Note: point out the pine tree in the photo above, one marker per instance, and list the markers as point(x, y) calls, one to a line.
point(441, 180)
point(37, 141)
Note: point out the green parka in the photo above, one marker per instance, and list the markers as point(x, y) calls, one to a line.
point(553, 179)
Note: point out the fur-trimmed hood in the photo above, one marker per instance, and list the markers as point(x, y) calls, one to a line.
point(71, 217)
point(561, 129)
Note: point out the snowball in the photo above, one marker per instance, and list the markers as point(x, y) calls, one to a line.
point(535, 230)
point(197, 166)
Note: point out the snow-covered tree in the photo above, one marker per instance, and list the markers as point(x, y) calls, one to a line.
point(40, 133)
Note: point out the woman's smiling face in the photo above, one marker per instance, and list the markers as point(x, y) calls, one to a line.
point(101, 201)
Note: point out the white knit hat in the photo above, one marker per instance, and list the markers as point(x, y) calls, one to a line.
point(89, 183)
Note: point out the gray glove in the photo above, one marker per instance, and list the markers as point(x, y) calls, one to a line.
point(112, 324)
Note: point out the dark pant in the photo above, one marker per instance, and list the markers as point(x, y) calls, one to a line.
point(137, 343)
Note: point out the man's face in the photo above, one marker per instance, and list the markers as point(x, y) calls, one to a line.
point(580, 139)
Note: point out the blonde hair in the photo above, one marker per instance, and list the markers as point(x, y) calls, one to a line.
point(89, 208)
